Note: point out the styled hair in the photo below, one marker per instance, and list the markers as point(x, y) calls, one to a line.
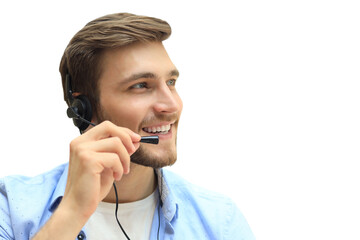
point(82, 56)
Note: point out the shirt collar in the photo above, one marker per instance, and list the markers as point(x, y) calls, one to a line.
point(169, 203)
point(59, 190)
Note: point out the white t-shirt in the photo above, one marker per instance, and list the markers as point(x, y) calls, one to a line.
point(135, 218)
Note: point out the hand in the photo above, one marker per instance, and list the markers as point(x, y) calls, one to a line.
point(97, 158)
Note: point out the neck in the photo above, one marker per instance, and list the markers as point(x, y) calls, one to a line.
point(136, 185)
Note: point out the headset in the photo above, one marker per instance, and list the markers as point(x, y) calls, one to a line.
point(79, 107)
point(81, 112)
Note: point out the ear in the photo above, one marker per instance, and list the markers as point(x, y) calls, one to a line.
point(75, 94)
point(94, 119)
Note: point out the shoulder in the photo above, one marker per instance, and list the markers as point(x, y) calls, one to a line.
point(24, 201)
point(34, 180)
point(24, 188)
point(213, 212)
point(29, 187)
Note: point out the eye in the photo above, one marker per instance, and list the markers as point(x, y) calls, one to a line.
point(171, 82)
point(139, 85)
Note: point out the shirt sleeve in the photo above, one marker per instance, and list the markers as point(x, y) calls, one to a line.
point(237, 226)
point(6, 232)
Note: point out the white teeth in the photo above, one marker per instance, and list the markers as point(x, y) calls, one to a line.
point(164, 129)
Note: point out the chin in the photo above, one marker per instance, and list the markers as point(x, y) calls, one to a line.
point(146, 158)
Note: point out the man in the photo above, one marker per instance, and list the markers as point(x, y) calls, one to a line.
point(119, 84)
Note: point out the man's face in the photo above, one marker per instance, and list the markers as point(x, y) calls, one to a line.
point(137, 91)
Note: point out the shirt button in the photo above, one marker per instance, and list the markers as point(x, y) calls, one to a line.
point(81, 236)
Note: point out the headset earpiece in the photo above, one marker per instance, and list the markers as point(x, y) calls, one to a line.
point(80, 107)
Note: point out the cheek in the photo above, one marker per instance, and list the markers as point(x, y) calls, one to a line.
point(128, 113)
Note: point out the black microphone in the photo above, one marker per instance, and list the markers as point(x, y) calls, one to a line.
point(150, 139)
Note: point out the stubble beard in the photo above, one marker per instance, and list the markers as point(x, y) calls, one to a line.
point(142, 156)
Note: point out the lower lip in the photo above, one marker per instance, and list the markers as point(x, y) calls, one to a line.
point(166, 136)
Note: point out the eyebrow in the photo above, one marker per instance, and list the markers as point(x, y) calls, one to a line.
point(148, 75)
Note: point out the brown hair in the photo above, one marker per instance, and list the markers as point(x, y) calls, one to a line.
point(82, 56)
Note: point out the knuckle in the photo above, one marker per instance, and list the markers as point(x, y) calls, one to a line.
point(108, 127)
point(116, 140)
point(83, 155)
point(125, 137)
point(115, 157)
point(73, 144)
point(120, 171)
point(125, 158)
point(81, 151)
point(107, 124)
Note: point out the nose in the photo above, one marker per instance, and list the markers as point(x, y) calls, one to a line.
point(167, 101)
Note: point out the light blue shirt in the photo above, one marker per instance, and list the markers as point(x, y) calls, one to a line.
point(187, 211)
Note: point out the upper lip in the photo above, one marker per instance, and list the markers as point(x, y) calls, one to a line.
point(159, 124)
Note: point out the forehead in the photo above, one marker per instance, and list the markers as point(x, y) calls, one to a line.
point(121, 63)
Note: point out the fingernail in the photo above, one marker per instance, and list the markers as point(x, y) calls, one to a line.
point(137, 136)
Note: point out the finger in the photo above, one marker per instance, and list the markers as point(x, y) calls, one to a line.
point(135, 137)
point(127, 141)
point(107, 129)
point(108, 161)
point(113, 145)
point(107, 180)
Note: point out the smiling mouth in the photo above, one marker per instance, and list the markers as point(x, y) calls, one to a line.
point(163, 129)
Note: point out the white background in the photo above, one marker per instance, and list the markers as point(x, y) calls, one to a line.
point(271, 102)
